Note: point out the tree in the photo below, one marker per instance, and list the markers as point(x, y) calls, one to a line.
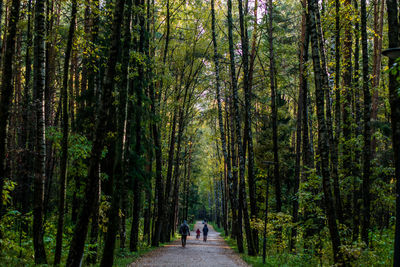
point(40, 145)
point(394, 98)
point(81, 228)
point(64, 159)
point(367, 127)
point(7, 89)
point(322, 135)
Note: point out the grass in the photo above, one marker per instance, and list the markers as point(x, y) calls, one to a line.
point(125, 257)
point(274, 258)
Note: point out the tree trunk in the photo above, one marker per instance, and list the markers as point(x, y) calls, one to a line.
point(38, 89)
point(139, 88)
point(227, 161)
point(277, 178)
point(355, 170)
point(81, 228)
point(248, 135)
point(323, 137)
point(118, 168)
point(379, 14)
point(7, 88)
point(347, 113)
point(300, 106)
point(393, 34)
point(235, 121)
point(64, 142)
point(367, 126)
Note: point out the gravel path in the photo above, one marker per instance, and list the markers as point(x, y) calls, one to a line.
point(214, 252)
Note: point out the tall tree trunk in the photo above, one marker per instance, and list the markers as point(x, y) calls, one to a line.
point(118, 170)
point(64, 142)
point(302, 61)
point(393, 34)
point(335, 143)
point(248, 135)
point(367, 125)
point(347, 114)
point(277, 178)
point(333, 152)
point(38, 89)
point(94, 231)
point(322, 136)
point(7, 89)
point(124, 129)
point(81, 228)
point(166, 233)
point(139, 88)
point(227, 161)
point(235, 117)
point(355, 170)
point(379, 13)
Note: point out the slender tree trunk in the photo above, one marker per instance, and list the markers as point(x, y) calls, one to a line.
point(166, 233)
point(38, 88)
point(333, 152)
point(65, 131)
point(94, 231)
point(235, 119)
point(139, 88)
point(335, 143)
point(379, 13)
point(277, 178)
point(357, 149)
point(7, 88)
point(347, 114)
point(323, 137)
point(300, 106)
point(227, 161)
point(81, 228)
point(394, 98)
point(118, 169)
point(248, 135)
point(367, 126)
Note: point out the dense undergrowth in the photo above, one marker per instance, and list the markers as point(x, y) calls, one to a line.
point(380, 253)
point(17, 249)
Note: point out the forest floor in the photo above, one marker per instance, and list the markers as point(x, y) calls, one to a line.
point(214, 252)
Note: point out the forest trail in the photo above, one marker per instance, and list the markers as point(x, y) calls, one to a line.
point(215, 252)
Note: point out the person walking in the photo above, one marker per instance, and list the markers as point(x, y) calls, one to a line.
point(184, 231)
point(198, 234)
point(205, 232)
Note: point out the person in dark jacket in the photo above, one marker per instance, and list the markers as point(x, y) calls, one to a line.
point(184, 231)
point(205, 232)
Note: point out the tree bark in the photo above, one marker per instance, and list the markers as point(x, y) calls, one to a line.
point(347, 112)
point(394, 98)
point(227, 161)
point(38, 89)
point(248, 135)
point(81, 228)
point(7, 89)
point(323, 137)
point(277, 178)
point(300, 105)
point(235, 121)
point(367, 126)
point(139, 90)
point(64, 142)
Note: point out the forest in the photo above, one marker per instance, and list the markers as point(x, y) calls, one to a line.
point(277, 121)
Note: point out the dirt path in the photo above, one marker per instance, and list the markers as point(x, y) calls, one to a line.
point(214, 252)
